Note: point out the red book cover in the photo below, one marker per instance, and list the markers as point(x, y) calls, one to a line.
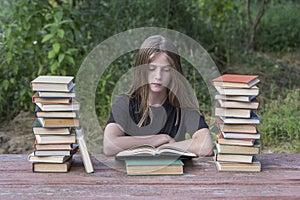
point(235, 78)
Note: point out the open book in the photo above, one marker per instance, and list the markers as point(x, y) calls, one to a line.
point(150, 151)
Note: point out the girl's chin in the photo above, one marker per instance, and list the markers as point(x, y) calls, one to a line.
point(157, 89)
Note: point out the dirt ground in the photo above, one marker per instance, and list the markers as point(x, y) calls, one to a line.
point(16, 136)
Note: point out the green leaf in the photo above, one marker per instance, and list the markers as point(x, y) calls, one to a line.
point(5, 84)
point(70, 60)
point(53, 67)
point(56, 47)
point(58, 16)
point(61, 33)
point(7, 31)
point(47, 37)
point(8, 57)
point(51, 54)
point(12, 80)
point(61, 57)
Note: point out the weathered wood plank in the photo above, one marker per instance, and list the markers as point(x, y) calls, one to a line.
point(280, 178)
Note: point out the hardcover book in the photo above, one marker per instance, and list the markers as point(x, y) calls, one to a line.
point(45, 100)
point(86, 159)
point(238, 98)
point(58, 122)
point(52, 83)
point(236, 81)
point(233, 112)
point(64, 146)
point(37, 129)
point(234, 149)
point(254, 119)
point(154, 166)
point(52, 167)
point(52, 94)
point(240, 142)
point(236, 104)
point(228, 135)
point(74, 106)
point(253, 91)
point(234, 158)
point(150, 151)
point(237, 128)
point(56, 152)
point(54, 114)
point(47, 159)
point(255, 166)
point(55, 139)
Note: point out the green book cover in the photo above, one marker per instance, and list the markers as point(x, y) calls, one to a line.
point(153, 162)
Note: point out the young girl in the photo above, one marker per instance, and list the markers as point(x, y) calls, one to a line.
point(158, 109)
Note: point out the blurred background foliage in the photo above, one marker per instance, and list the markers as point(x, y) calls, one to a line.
point(52, 37)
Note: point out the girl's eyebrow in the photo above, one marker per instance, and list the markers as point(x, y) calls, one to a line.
point(160, 65)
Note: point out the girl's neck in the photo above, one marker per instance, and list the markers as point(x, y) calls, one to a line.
point(156, 99)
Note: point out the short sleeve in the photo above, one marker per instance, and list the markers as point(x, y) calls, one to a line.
point(119, 111)
point(193, 121)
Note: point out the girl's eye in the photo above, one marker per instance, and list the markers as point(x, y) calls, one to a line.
point(151, 68)
point(166, 69)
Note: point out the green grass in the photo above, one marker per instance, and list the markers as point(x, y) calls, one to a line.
point(280, 127)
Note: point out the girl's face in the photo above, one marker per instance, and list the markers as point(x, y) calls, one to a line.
point(159, 73)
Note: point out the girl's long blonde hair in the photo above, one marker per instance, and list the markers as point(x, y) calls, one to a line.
point(178, 93)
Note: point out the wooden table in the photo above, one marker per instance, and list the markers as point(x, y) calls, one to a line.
point(280, 178)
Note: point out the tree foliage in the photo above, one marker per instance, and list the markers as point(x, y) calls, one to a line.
point(53, 37)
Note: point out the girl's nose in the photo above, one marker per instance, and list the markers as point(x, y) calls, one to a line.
point(158, 73)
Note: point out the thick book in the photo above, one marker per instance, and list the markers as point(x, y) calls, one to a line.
point(55, 139)
point(239, 142)
point(255, 166)
point(229, 135)
point(154, 166)
point(86, 159)
point(46, 100)
point(236, 81)
point(237, 104)
point(52, 167)
point(254, 119)
point(64, 146)
point(237, 128)
point(47, 159)
point(37, 129)
point(51, 94)
point(253, 91)
point(234, 149)
point(233, 112)
point(151, 151)
point(56, 152)
point(234, 158)
point(74, 106)
point(58, 122)
point(239, 98)
point(54, 114)
point(52, 83)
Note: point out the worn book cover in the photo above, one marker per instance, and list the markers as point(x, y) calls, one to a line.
point(236, 81)
point(150, 151)
point(152, 166)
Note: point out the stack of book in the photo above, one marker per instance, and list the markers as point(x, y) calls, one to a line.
point(56, 112)
point(148, 160)
point(238, 138)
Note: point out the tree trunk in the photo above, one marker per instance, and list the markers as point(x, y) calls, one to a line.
point(253, 25)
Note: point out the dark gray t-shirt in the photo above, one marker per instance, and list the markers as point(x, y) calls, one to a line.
point(161, 119)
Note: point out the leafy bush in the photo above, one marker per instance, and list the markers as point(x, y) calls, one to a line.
point(279, 29)
point(280, 123)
